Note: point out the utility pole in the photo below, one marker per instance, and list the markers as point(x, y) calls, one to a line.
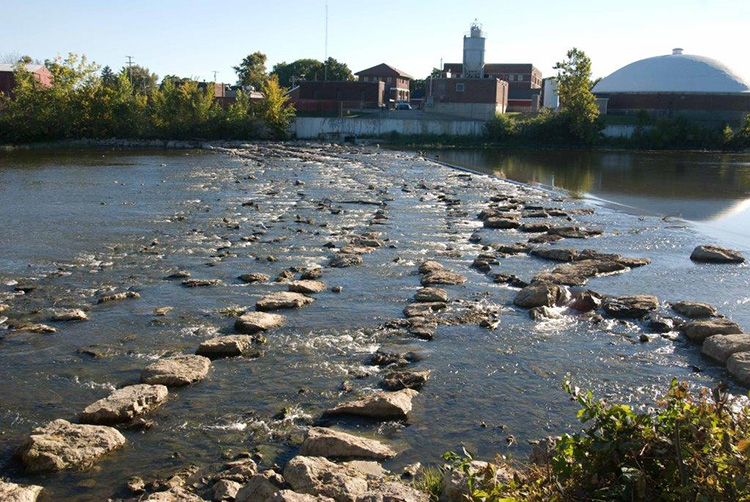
point(215, 73)
point(130, 69)
point(325, 62)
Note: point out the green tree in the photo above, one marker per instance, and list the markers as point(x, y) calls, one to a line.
point(252, 70)
point(334, 70)
point(275, 110)
point(144, 81)
point(108, 76)
point(240, 120)
point(182, 110)
point(576, 98)
point(301, 69)
point(419, 87)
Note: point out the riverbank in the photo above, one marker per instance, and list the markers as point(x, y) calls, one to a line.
point(364, 222)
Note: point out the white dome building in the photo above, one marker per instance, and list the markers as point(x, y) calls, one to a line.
point(696, 86)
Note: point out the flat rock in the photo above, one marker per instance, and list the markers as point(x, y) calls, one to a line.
point(422, 309)
point(501, 223)
point(319, 476)
point(177, 371)
point(442, 277)
point(254, 322)
point(716, 254)
point(124, 404)
point(253, 278)
point(200, 283)
point(58, 315)
point(332, 444)
point(61, 445)
point(11, 492)
point(307, 287)
point(397, 380)
point(379, 405)
point(738, 365)
point(431, 295)
point(535, 227)
point(124, 295)
point(694, 310)
point(33, 328)
point(538, 294)
point(698, 331)
point(344, 260)
point(555, 254)
point(720, 347)
point(225, 346)
point(630, 307)
point(429, 266)
point(283, 300)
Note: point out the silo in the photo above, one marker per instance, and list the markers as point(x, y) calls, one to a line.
point(474, 52)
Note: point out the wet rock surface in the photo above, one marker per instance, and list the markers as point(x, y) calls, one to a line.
point(226, 346)
point(716, 254)
point(283, 300)
point(378, 406)
point(177, 371)
point(255, 322)
point(332, 444)
point(124, 404)
point(12, 492)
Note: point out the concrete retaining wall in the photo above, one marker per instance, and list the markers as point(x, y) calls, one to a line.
point(317, 127)
point(475, 111)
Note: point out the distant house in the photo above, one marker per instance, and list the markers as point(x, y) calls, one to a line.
point(524, 81)
point(472, 98)
point(396, 81)
point(8, 79)
point(314, 96)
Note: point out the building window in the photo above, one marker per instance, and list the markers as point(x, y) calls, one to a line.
point(520, 78)
point(460, 87)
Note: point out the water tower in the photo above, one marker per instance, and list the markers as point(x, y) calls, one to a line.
point(474, 52)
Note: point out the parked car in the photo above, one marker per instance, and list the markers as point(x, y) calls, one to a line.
point(403, 105)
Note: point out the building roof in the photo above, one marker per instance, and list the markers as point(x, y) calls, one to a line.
point(383, 70)
point(676, 72)
point(493, 68)
point(8, 67)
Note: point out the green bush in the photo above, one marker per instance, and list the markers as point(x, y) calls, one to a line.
point(690, 448)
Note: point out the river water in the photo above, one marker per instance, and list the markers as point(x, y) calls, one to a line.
point(78, 224)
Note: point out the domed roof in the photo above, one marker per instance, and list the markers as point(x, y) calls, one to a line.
point(676, 72)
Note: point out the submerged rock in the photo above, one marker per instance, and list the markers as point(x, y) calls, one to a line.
point(720, 347)
point(698, 331)
point(716, 254)
point(61, 445)
point(225, 346)
point(254, 322)
point(177, 371)
point(634, 306)
point(11, 492)
point(283, 300)
point(124, 404)
point(378, 406)
point(324, 442)
point(694, 309)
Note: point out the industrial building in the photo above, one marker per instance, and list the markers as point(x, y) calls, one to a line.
point(524, 80)
point(396, 82)
point(696, 87)
point(314, 96)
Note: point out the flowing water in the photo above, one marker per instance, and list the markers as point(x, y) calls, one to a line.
point(78, 224)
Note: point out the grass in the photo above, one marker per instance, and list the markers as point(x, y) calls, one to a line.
point(430, 480)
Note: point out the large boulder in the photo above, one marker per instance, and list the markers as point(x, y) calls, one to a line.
point(716, 254)
point(225, 346)
point(253, 322)
point(429, 266)
point(698, 331)
point(177, 371)
point(307, 287)
point(61, 445)
point(539, 294)
point(11, 492)
point(442, 277)
point(694, 310)
point(720, 347)
point(378, 406)
point(319, 476)
point(283, 300)
point(431, 295)
point(630, 307)
point(226, 489)
point(260, 487)
point(124, 404)
point(738, 366)
point(324, 442)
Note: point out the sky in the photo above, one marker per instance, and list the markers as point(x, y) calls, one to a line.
point(194, 38)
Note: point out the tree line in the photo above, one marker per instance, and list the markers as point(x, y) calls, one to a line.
point(85, 101)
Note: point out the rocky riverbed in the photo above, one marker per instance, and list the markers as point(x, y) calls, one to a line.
point(281, 321)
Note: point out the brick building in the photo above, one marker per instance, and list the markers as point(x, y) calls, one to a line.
point(396, 82)
point(524, 81)
point(338, 95)
point(8, 80)
point(475, 98)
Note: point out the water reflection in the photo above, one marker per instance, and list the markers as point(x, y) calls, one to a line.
point(697, 186)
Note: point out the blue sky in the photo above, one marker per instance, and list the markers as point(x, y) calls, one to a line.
point(195, 37)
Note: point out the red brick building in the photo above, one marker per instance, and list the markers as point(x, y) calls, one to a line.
point(524, 80)
point(477, 98)
point(8, 80)
point(338, 95)
point(396, 82)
